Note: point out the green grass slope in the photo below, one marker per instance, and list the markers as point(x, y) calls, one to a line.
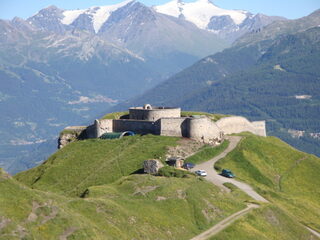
point(165, 208)
point(268, 222)
point(88, 190)
point(134, 207)
point(82, 164)
point(213, 116)
point(207, 152)
point(32, 214)
point(115, 115)
point(287, 177)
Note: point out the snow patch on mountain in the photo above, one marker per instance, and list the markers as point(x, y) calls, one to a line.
point(70, 16)
point(99, 15)
point(199, 12)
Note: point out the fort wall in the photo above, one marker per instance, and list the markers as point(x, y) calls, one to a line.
point(103, 126)
point(140, 127)
point(154, 114)
point(203, 129)
point(176, 127)
point(91, 131)
point(230, 125)
point(260, 128)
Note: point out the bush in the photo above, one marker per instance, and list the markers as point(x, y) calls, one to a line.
point(168, 171)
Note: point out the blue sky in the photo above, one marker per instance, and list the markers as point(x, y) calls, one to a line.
point(287, 8)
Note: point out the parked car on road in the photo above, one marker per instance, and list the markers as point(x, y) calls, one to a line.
point(188, 166)
point(201, 173)
point(227, 173)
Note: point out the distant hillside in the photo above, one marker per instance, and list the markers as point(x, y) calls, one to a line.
point(104, 173)
point(279, 28)
point(276, 79)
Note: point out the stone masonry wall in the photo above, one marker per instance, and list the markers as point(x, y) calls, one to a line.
point(204, 129)
point(260, 128)
point(103, 126)
point(231, 125)
point(176, 127)
point(141, 127)
point(154, 114)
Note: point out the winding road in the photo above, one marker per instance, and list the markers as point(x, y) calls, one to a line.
point(218, 180)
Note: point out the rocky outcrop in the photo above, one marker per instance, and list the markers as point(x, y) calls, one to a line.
point(70, 134)
point(152, 166)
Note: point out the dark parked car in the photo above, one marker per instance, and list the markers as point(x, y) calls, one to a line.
point(227, 173)
point(188, 165)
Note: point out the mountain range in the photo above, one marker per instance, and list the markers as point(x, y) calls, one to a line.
point(228, 24)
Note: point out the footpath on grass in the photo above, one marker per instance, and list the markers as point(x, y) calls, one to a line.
point(224, 223)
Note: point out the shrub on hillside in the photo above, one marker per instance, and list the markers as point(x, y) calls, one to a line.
point(168, 171)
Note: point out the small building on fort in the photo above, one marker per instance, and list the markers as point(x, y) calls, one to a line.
point(167, 121)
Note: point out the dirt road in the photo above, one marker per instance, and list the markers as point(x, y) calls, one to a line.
point(218, 180)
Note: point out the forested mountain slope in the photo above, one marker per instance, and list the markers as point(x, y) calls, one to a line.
point(274, 79)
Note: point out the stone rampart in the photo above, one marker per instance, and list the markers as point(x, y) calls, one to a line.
point(260, 128)
point(203, 129)
point(91, 131)
point(103, 126)
point(230, 125)
point(176, 127)
point(153, 114)
point(140, 127)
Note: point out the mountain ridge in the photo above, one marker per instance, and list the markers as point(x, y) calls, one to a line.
point(227, 24)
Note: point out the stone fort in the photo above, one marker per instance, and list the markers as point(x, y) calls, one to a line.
point(167, 121)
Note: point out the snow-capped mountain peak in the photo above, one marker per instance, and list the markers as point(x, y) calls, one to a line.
point(227, 24)
point(99, 15)
point(199, 12)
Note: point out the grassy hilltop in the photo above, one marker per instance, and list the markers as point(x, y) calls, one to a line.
point(114, 202)
point(92, 189)
point(91, 162)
